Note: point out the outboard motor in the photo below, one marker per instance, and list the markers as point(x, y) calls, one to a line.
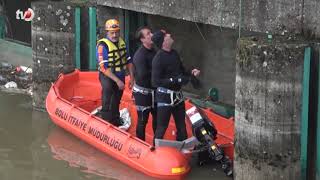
point(206, 134)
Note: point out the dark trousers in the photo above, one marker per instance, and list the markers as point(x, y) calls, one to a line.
point(163, 118)
point(111, 96)
point(143, 120)
point(143, 115)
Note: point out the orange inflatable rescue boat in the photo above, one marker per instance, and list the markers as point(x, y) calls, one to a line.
point(73, 97)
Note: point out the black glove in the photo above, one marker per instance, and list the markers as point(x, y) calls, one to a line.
point(195, 82)
point(180, 79)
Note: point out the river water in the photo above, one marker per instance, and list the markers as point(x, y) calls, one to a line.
point(33, 148)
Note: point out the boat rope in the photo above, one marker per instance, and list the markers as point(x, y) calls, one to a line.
point(200, 31)
point(221, 13)
point(240, 17)
point(221, 19)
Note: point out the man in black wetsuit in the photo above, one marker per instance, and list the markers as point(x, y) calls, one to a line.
point(143, 92)
point(168, 75)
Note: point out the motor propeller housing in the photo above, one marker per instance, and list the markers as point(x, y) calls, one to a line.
point(206, 133)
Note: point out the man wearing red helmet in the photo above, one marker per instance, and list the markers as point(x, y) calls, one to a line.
point(113, 60)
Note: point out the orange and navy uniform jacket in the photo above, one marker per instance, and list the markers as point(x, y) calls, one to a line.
point(104, 57)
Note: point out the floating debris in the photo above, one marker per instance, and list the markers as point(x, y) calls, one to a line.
point(30, 91)
point(2, 80)
point(5, 65)
point(25, 69)
point(15, 77)
point(11, 84)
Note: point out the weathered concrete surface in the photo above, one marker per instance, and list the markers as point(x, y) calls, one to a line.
point(276, 16)
point(311, 21)
point(268, 108)
point(40, 91)
point(206, 47)
point(52, 45)
point(104, 13)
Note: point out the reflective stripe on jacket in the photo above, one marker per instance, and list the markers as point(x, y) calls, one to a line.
point(117, 56)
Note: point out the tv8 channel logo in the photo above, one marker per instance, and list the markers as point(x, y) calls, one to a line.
point(27, 15)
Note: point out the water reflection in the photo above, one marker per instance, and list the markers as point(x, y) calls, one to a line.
point(15, 137)
point(79, 154)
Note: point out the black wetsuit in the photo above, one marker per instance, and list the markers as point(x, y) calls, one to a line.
point(142, 62)
point(169, 73)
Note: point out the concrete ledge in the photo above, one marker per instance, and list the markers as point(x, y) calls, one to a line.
point(274, 16)
point(15, 53)
point(205, 11)
point(16, 90)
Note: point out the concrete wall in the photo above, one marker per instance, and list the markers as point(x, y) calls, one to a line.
point(52, 45)
point(277, 16)
point(311, 21)
point(268, 108)
point(206, 47)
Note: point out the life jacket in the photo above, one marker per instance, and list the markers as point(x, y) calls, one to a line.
point(117, 56)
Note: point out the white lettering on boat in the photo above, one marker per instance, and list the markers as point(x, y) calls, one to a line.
point(112, 142)
point(74, 121)
point(71, 119)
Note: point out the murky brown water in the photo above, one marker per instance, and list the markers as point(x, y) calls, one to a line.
point(33, 148)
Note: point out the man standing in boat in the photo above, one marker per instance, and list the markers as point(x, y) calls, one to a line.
point(113, 60)
point(142, 90)
point(168, 75)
